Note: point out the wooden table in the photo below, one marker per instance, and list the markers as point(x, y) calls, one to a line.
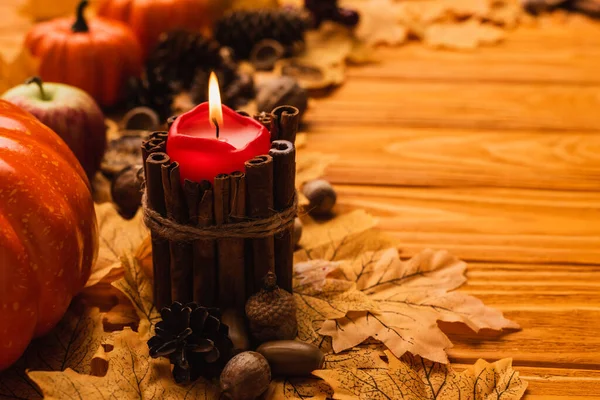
point(495, 156)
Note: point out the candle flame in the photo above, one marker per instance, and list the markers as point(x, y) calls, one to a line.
point(214, 101)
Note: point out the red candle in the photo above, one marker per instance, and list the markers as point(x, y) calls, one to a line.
point(213, 139)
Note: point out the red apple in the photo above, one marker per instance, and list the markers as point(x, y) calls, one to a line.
point(68, 111)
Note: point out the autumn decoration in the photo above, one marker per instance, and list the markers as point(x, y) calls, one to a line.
point(48, 233)
point(96, 55)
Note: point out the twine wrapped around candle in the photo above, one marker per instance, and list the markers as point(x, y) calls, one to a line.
point(251, 229)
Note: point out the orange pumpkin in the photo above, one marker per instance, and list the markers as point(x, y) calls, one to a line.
point(150, 18)
point(97, 56)
point(48, 231)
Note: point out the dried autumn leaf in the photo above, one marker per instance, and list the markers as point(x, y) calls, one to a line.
point(411, 296)
point(71, 344)
point(343, 237)
point(311, 165)
point(413, 378)
point(379, 22)
point(465, 36)
point(131, 374)
point(323, 62)
point(365, 356)
point(138, 289)
point(118, 237)
point(319, 299)
point(298, 389)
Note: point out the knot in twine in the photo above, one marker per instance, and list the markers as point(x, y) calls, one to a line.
point(249, 229)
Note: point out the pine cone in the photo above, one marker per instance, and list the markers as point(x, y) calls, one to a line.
point(272, 312)
point(152, 91)
point(242, 29)
point(179, 54)
point(194, 340)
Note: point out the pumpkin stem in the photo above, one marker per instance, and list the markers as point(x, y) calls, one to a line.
point(80, 24)
point(38, 81)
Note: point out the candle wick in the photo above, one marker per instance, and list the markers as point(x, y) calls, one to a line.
point(214, 120)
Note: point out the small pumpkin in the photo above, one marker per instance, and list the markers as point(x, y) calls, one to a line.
point(48, 231)
point(150, 18)
point(97, 56)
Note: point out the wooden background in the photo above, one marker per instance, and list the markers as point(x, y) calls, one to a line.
point(494, 155)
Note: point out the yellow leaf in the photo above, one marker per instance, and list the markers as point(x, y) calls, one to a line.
point(359, 357)
point(344, 237)
point(71, 344)
point(468, 35)
point(413, 378)
point(311, 165)
point(131, 374)
point(118, 237)
point(138, 288)
point(411, 297)
point(298, 389)
point(379, 21)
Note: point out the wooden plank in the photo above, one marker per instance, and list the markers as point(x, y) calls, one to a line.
point(375, 103)
point(388, 155)
point(557, 384)
point(486, 224)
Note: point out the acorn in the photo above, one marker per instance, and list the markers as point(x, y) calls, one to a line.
point(291, 357)
point(297, 231)
point(271, 312)
point(321, 196)
point(246, 376)
point(126, 191)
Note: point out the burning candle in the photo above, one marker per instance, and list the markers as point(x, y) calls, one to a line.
point(213, 139)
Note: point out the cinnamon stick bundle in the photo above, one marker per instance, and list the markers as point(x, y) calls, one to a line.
point(232, 267)
point(283, 153)
point(161, 258)
point(199, 198)
point(181, 252)
point(268, 120)
point(259, 204)
point(287, 119)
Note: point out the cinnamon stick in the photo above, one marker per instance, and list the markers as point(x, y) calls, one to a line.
point(287, 119)
point(199, 198)
point(284, 188)
point(268, 120)
point(232, 275)
point(181, 252)
point(259, 204)
point(161, 258)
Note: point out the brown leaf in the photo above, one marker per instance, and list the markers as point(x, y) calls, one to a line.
point(465, 36)
point(359, 357)
point(71, 344)
point(131, 374)
point(298, 388)
point(413, 378)
point(379, 22)
point(344, 237)
point(411, 296)
point(319, 299)
point(118, 237)
point(323, 62)
point(137, 287)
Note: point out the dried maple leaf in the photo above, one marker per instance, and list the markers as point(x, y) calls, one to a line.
point(411, 297)
point(118, 237)
point(365, 356)
point(71, 344)
point(413, 378)
point(319, 299)
point(464, 36)
point(380, 21)
point(346, 236)
point(298, 389)
point(137, 287)
point(131, 374)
